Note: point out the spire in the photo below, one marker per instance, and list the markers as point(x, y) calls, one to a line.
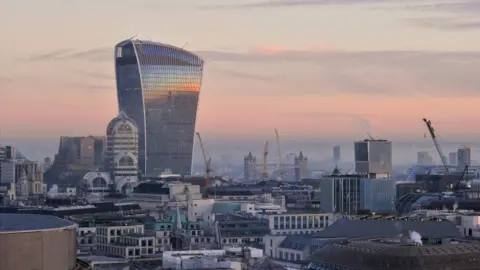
point(301, 155)
point(336, 171)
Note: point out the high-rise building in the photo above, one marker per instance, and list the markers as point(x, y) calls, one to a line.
point(158, 86)
point(373, 157)
point(464, 157)
point(121, 156)
point(348, 194)
point(452, 159)
point(336, 154)
point(80, 151)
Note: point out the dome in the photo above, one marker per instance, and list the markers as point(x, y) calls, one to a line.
point(122, 124)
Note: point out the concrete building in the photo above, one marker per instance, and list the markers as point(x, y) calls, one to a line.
point(165, 113)
point(26, 176)
point(464, 157)
point(121, 155)
point(82, 152)
point(240, 228)
point(36, 242)
point(232, 258)
point(124, 239)
point(373, 158)
point(154, 195)
point(349, 194)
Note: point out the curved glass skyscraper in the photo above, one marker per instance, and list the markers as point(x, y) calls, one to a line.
point(158, 86)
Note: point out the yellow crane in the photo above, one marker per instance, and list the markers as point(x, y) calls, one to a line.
point(206, 159)
point(280, 163)
point(265, 155)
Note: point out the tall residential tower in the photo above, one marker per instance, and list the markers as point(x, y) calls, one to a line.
point(158, 86)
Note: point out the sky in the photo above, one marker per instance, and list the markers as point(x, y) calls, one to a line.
point(323, 69)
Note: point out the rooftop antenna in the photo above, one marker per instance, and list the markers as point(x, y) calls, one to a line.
point(185, 45)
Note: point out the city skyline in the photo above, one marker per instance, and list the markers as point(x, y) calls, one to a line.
point(321, 76)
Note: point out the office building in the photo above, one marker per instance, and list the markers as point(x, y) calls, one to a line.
point(80, 152)
point(122, 152)
point(158, 86)
point(463, 157)
point(452, 159)
point(348, 194)
point(373, 158)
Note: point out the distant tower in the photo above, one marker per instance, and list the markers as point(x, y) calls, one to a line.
point(178, 235)
point(301, 167)
point(122, 152)
point(250, 167)
point(336, 154)
point(464, 157)
point(373, 158)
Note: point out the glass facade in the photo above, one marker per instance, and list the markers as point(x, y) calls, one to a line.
point(348, 195)
point(158, 86)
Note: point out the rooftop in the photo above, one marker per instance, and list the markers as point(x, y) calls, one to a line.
point(10, 223)
point(381, 253)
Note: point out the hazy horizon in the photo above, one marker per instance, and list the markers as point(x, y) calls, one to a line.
point(404, 152)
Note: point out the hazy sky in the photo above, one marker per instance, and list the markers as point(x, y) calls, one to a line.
point(311, 68)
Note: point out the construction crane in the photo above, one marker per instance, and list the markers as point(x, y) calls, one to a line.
point(431, 130)
point(280, 163)
point(437, 145)
point(206, 159)
point(464, 175)
point(265, 164)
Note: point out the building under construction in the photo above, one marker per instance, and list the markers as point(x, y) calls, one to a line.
point(388, 253)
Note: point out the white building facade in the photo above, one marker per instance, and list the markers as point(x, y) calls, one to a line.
point(122, 152)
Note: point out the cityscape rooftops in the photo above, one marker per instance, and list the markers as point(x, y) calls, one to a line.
point(152, 188)
point(10, 223)
point(383, 253)
point(346, 228)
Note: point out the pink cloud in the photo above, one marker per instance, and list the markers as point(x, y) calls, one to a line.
point(274, 49)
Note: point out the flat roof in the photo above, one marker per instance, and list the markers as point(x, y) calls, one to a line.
point(10, 223)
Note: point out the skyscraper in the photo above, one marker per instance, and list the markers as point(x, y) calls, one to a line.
point(336, 154)
point(464, 157)
point(373, 157)
point(158, 86)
